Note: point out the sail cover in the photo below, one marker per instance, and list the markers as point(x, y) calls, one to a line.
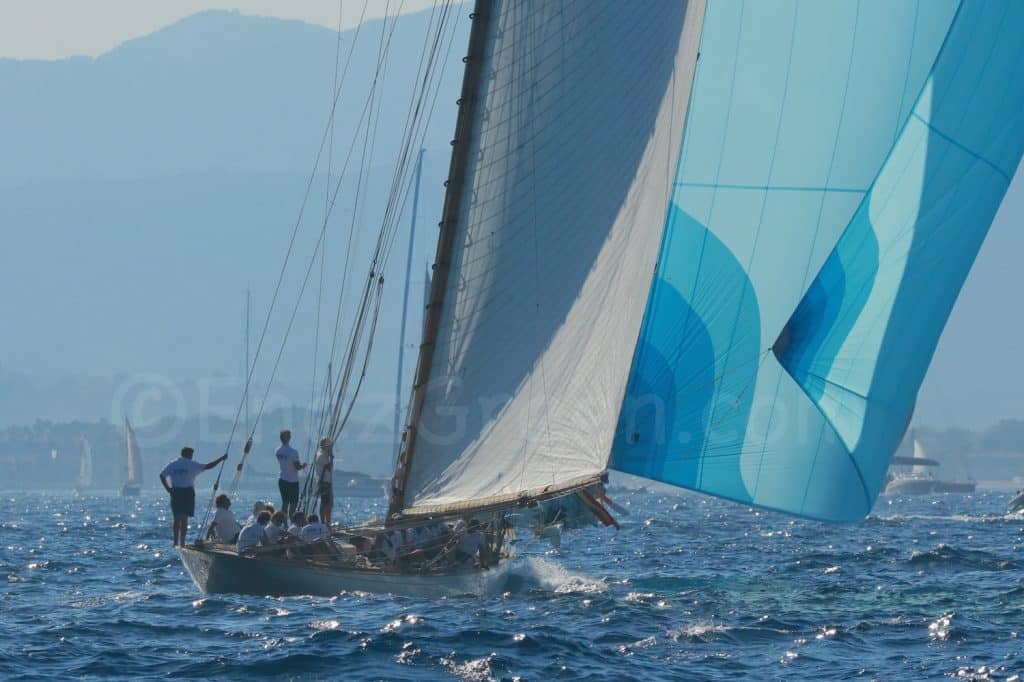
point(843, 161)
point(574, 147)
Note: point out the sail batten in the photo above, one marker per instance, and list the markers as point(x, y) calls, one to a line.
point(570, 168)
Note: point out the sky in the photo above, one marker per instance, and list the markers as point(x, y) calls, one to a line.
point(55, 29)
point(974, 376)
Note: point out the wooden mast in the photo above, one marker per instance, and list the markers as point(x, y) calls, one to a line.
point(445, 244)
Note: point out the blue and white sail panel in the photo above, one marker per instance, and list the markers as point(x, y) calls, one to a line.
point(795, 107)
point(572, 160)
point(860, 342)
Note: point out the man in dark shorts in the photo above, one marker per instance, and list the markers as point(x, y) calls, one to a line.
point(288, 481)
point(181, 474)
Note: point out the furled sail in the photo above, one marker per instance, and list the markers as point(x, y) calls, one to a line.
point(819, 134)
point(578, 118)
point(134, 460)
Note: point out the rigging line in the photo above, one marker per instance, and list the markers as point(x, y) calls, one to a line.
point(309, 268)
point(421, 85)
point(385, 238)
point(361, 183)
point(387, 232)
point(431, 81)
point(352, 231)
point(366, 358)
point(323, 252)
point(291, 242)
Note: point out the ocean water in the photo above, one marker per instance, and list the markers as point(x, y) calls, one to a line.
point(689, 588)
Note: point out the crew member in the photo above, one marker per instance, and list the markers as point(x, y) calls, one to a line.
point(179, 478)
point(288, 481)
point(325, 472)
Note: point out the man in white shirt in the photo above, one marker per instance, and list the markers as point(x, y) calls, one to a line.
point(298, 521)
point(224, 527)
point(254, 534)
point(181, 474)
point(325, 472)
point(276, 529)
point(288, 481)
point(313, 530)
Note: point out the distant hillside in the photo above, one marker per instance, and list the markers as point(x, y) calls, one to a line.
point(142, 193)
point(216, 92)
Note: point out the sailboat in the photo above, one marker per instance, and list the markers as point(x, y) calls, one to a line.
point(916, 477)
point(727, 274)
point(133, 486)
point(84, 481)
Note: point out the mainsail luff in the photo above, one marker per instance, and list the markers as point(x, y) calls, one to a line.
point(580, 117)
point(445, 243)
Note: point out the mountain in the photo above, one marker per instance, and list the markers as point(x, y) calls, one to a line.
point(142, 193)
point(218, 92)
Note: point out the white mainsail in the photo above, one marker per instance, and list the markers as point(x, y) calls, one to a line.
point(579, 113)
point(920, 469)
point(85, 466)
point(134, 460)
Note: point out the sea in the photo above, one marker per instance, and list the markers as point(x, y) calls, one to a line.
point(689, 588)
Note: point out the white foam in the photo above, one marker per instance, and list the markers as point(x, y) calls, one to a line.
point(545, 574)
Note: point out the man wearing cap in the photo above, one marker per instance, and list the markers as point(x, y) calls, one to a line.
point(288, 481)
point(182, 474)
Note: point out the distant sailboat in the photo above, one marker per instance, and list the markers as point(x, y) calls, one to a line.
point(133, 486)
point(84, 481)
point(913, 476)
point(731, 282)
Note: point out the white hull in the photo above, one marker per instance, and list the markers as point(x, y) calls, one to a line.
point(219, 571)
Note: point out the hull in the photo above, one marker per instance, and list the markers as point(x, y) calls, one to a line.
point(918, 486)
point(131, 490)
point(1016, 504)
point(224, 572)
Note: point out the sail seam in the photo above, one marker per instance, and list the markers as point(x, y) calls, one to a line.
point(774, 188)
point(1006, 176)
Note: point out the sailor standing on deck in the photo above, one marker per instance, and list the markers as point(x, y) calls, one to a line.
point(288, 482)
point(325, 472)
point(182, 474)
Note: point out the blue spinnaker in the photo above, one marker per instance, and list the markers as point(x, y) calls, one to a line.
point(843, 161)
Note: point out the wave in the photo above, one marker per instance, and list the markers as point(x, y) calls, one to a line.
point(946, 556)
point(539, 573)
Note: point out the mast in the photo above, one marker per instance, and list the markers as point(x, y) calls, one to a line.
point(445, 243)
point(245, 397)
point(405, 299)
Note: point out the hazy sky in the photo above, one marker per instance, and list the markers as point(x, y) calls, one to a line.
point(52, 29)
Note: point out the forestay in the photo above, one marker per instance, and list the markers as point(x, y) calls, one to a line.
point(797, 109)
point(574, 146)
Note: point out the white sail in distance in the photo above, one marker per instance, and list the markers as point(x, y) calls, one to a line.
point(85, 466)
point(579, 113)
point(134, 460)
